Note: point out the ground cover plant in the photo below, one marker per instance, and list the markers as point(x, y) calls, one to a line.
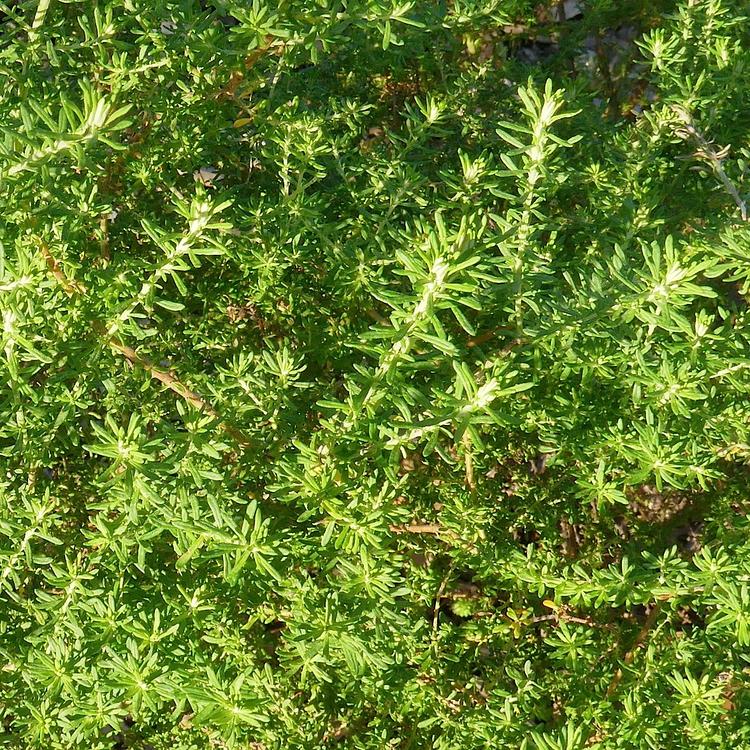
point(374, 374)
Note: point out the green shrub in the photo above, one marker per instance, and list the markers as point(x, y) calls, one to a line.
point(375, 374)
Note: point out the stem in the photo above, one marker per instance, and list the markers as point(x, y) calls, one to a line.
point(72, 287)
point(630, 655)
point(712, 157)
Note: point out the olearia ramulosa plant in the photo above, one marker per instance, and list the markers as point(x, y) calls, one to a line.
point(374, 374)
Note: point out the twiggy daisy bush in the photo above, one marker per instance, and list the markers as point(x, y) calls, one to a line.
point(374, 374)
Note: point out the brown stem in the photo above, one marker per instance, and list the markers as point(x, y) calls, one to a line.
point(104, 241)
point(630, 655)
point(377, 317)
point(469, 463)
point(482, 338)
point(417, 528)
point(72, 287)
point(171, 382)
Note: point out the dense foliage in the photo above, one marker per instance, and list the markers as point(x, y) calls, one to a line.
point(374, 374)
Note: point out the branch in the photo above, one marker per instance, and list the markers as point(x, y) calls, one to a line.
point(710, 156)
point(630, 655)
point(417, 528)
point(469, 464)
point(73, 287)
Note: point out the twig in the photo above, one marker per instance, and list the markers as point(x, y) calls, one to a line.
point(104, 240)
point(711, 156)
point(417, 528)
point(161, 375)
point(171, 382)
point(72, 287)
point(545, 618)
point(482, 337)
point(237, 76)
point(469, 463)
point(438, 597)
point(377, 317)
point(730, 370)
point(530, 33)
point(561, 614)
point(630, 655)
